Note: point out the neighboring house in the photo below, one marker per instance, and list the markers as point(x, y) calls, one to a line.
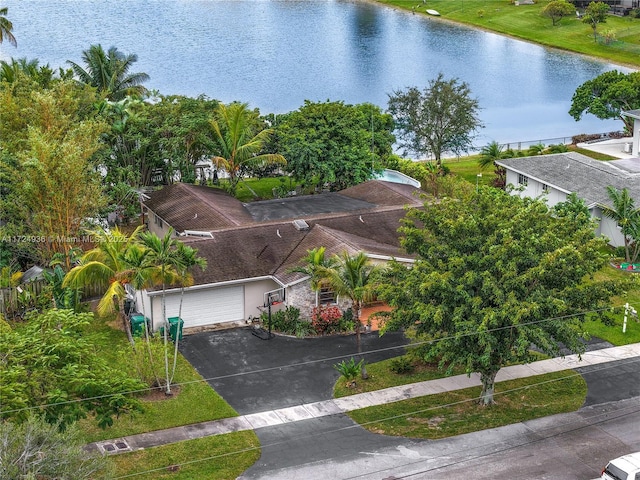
point(251, 248)
point(635, 143)
point(557, 175)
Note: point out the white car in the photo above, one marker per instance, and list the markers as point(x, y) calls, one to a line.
point(626, 467)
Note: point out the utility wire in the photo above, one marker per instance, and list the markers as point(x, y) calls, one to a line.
point(309, 362)
point(607, 416)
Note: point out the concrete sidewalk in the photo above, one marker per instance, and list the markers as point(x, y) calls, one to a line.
point(354, 402)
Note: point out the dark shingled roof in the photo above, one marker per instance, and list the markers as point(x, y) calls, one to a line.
point(380, 192)
point(377, 235)
point(245, 252)
point(365, 218)
point(574, 172)
point(195, 207)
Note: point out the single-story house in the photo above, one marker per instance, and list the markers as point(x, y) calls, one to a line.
point(251, 248)
point(635, 143)
point(557, 175)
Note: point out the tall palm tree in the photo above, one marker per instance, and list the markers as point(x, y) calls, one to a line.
point(353, 276)
point(143, 274)
point(162, 252)
point(187, 258)
point(234, 130)
point(6, 28)
point(627, 216)
point(109, 73)
point(106, 265)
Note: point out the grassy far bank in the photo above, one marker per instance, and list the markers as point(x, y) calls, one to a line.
point(525, 22)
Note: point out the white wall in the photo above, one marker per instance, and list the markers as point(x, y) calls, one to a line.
point(254, 295)
point(606, 226)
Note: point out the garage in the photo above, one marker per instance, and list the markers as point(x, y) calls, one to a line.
point(206, 306)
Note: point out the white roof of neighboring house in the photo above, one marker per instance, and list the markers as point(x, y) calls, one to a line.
point(574, 172)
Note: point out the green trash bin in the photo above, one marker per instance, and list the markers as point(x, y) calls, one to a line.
point(175, 328)
point(137, 325)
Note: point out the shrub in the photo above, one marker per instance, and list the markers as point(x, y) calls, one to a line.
point(350, 370)
point(402, 365)
point(326, 319)
point(559, 148)
point(287, 321)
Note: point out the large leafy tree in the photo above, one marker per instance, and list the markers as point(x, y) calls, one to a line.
point(495, 274)
point(441, 118)
point(185, 134)
point(595, 14)
point(109, 73)
point(6, 28)
point(607, 95)
point(239, 139)
point(36, 449)
point(49, 367)
point(49, 138)
point(334, 143)
point(627, 216)
point(353, 277)
point(556, 10)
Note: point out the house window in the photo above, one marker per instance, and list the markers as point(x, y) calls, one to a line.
point(545, 188)
point(158, 221)
point(326, 296)
point(523, 179)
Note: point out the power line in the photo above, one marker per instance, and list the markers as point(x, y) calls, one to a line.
point(309, 362)
point(607, 416)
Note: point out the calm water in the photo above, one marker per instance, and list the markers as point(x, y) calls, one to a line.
point(274, 54)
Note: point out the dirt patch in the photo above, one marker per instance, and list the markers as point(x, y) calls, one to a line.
point(158, 394)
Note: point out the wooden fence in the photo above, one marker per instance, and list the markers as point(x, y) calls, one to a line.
point(16, 301)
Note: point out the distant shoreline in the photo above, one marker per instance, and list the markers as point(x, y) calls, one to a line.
point(514, 37)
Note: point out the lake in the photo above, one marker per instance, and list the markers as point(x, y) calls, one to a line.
point(274, 54)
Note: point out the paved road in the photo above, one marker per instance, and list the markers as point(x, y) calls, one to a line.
point(571, 446)
point(335, 447)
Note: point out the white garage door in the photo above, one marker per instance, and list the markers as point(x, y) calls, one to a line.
point(208, 306)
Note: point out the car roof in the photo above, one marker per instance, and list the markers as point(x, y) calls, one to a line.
point(628, 462)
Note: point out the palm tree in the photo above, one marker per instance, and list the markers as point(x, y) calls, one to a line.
point(489, 154)
point(106, 265)
point(6, 27)
point(315, 263)
point(353, 276)
point(162, 252)
point(234, 128)
point(109, 73)
point(627, 216)
point(143, 274)
point(186, 258)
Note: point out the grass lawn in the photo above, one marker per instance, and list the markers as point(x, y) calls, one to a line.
point(194, 401)
point(223, 457)
point(454, 413)
point(381, 376)
point(527, 23)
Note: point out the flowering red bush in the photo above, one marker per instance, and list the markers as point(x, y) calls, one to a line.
point(325, 319)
